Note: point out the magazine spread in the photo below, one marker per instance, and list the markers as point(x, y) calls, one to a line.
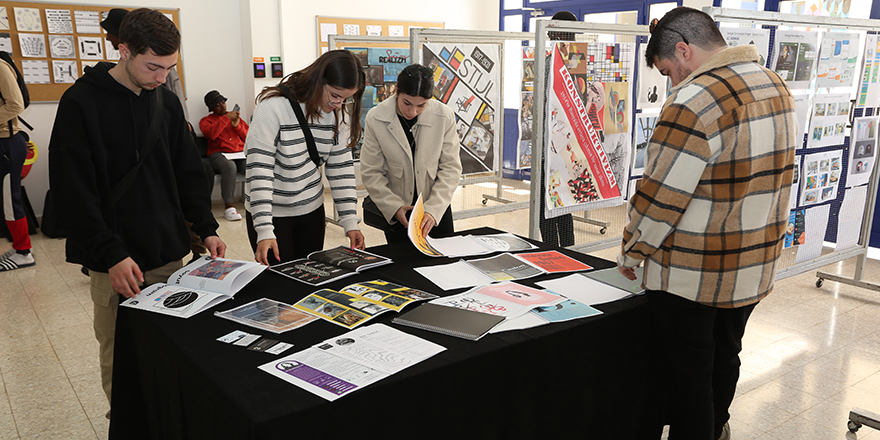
point(501, 267)
point(565, 311)
point(197, 286)
point(322, 267)
point(341, 365)
point(506, 299)
point(358, 303)
point(267, 314)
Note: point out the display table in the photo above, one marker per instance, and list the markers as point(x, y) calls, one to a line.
point(583, 378)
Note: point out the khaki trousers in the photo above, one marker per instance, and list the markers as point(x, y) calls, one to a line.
point(106, 303)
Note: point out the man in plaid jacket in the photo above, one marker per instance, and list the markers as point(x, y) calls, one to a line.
point(709, 217)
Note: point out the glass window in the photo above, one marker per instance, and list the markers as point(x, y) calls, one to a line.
point(513, 23)
point(828, 8)
point(658, 10)
point(625, 17)
point(513, 4)
point(752, 5)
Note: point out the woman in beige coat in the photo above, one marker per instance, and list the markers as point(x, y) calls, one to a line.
point(411, 148)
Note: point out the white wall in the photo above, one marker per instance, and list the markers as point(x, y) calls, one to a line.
point(299, 36)
point(211, 47)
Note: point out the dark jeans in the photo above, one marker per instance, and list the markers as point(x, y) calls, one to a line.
point(396, 233)
point(297, 236)
point(699, 362)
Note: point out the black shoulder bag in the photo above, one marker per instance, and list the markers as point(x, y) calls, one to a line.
point(303, 124)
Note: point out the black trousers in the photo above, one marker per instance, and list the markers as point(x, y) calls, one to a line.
point(297, 236)
point(699, 350)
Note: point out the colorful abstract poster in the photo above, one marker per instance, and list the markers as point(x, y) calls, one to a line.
point(579, 171)
point(837, 59)
point(862, 151)
point(821, 177)
point(869, 91)
point(377, 62)
point(829, 120)
point(760, 38)
point(795, 57)
point(651, 91)
point(466, 78)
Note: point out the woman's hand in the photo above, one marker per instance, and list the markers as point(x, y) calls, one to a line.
point(357, 239)
point(400, 215)
point(262, 254)
point(428, 223)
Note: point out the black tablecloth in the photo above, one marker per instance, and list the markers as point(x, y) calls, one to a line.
point(584, 378)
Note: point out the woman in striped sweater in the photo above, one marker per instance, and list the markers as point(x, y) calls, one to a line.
point(284, 196)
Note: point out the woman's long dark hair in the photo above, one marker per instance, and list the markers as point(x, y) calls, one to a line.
point(336, 68)
point(416, 80)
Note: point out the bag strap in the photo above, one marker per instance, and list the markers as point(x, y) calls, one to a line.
point(153, 137)
point(303, 124)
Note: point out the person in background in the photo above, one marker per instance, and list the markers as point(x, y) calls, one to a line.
point(710, 216)
point(13, 151)
point(411, 148)
point(284, 195)
point(559, 230)
point(226, 133)
point(131, 191)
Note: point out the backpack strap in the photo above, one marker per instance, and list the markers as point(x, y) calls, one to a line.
point(303, 124)
point(153, 137)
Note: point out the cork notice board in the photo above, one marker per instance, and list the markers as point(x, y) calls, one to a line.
point(359, 26)
point(52, 43)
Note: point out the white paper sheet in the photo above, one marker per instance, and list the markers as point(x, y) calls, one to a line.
point(837, 59)
point(381, 348)
point(816, 223)
point(35, 71)
point(62, 46)
point(90, 48)
point(395, 31)
point(322, 374)
point(28, 20)
point(326, 30)
point(862, 150)
point(64, 72)
point(795, 55)
point(453, 276)
point(849, 218)
point(32, 45)
point(6, 43)
point(374, 30)
point(59, 21)
point(829, 120)
point(4, 19)
point(87, 22)
point(583, 289)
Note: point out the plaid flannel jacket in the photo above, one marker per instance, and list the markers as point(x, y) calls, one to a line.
point(712, 208)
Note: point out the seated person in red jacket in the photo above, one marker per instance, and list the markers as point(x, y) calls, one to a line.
point(225, 132)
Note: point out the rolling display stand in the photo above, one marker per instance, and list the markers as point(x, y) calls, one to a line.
point(859, 417)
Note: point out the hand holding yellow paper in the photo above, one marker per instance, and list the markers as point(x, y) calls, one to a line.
point(414, 230)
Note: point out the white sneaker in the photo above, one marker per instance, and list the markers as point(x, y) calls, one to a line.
point(17, 261)
point(231, 214)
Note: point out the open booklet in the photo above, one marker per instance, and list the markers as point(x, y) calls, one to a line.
point(347, 363)
point(358, 303)
point(501, 267)
point(195, 287)
point(460, 246)
point(268, 314)
point(322, 267)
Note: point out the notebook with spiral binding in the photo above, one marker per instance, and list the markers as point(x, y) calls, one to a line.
point(450, 321)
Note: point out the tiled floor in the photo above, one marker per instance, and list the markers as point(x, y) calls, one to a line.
point(811, 354)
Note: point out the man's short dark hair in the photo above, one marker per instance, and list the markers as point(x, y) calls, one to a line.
point(147, 29)
point(682, 24)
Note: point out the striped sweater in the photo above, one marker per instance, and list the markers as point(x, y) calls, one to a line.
point(282, 181)
point(711, 212)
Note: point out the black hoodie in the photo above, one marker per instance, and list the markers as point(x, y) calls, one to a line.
point(99, 132)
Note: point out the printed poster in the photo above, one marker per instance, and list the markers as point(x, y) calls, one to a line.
point(816, 223)
point(32, 45)
point(795, 57)
point(59, 21)
point(837, 59)
point(821, 177)
point(869, 91)
point(795, 232)
point(795, 184)
point(584, 162)
point(466, 78)
point(392, 61)
point(759, 38)
point(35, 71)
point(28, 20)
point(802, 112)
point(651, 90)
point(645, 124)
point(62, 46)
point(524, 143)
point(862, 151)
point(829, 120)
point(87, 22)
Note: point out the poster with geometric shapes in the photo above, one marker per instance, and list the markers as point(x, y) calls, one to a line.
point(584, 166)
point(869, 92)
point(87, 22)
point(64, 71)
point(28, 20)
point(466, 78)
point(91, 48)
point(821, 177)
point(795, 57)
point(829, 120)
point(62, 46)
point(862, 151)
point(652, 84)
point(838, 54)
point(35, 71)
point(4, 19)
point(32, 45)
point(59, 21)
point(760, 38)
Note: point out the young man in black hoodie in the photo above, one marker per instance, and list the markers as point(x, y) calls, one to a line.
point(128, 229)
